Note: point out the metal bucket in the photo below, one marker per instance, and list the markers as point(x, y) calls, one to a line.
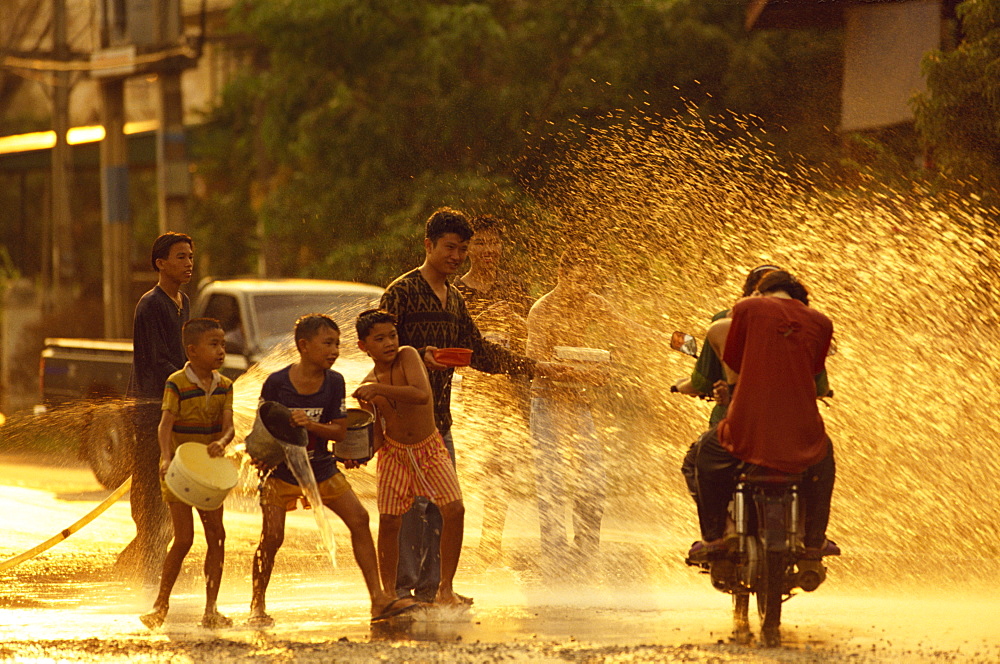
point(359, 443)
point(273, 424)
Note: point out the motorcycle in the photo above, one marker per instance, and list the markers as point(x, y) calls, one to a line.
point(765, 556)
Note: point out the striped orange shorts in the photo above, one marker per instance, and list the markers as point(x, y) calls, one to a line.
point(421, 469)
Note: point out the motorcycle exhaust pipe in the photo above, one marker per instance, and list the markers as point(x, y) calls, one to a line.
point(810, 575)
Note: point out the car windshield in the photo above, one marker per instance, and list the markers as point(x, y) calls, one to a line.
point(276, 313)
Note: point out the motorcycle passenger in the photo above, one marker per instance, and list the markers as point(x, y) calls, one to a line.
point(773, 348)
point(707, 375)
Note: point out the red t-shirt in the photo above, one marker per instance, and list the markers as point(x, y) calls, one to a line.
point(778, 346)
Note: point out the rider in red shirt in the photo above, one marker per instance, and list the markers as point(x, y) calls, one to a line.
point(774, 346)
point(777, 345)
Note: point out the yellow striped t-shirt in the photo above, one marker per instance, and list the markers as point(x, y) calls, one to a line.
point(198, 415)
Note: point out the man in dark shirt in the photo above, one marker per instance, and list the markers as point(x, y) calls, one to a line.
point(157, 352)
point(432, 314)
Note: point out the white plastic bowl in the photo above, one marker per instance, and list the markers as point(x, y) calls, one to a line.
point(200, 480)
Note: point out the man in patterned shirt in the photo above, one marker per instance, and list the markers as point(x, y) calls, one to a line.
point(432, 314)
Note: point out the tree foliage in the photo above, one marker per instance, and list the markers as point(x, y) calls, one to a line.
point(359, 117)
point(958, 116)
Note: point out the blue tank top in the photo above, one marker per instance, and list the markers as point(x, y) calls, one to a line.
point(326, 405)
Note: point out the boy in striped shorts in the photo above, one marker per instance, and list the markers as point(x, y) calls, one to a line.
point(412, 458)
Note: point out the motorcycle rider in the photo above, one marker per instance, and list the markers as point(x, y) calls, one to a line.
point(773, 347)
point(708, 379)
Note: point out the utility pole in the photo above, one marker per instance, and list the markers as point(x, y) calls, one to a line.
point(173, 177)
point(61, 263)
point(116, 222)
point(116, 216)
point(134, 30)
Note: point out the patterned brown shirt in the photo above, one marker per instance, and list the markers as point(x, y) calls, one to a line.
point(422, 321)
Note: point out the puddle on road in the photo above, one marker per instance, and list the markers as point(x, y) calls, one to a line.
point(67, 606)
point(641, 605)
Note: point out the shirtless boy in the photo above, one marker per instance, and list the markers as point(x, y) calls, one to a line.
point(412, 458)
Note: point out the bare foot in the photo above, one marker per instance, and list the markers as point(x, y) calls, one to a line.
point(215, 620)
point(259, 619)
point(452, 598)
point(154, 618)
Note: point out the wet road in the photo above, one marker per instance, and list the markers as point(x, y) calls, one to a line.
point(66, 604)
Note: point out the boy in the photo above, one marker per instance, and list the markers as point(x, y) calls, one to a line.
point(197, 407)
point(315, 394)
point(412, 455)
point(498, 301)
point(158, 352)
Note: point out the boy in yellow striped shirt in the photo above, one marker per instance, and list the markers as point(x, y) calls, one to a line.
point(197, 407)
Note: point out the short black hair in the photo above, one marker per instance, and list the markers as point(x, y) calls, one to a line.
point(308, 326)
point(486, 223)
point(194, 328)
point(162, 245)
point(754, 277)
point(446, 220)
point(369, 319)
point(780, 280)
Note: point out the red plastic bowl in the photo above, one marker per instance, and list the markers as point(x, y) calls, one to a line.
point(453, 357)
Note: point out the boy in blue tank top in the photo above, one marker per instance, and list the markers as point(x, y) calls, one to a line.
point(316, 396)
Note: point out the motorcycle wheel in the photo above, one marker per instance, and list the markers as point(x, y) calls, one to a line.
point(741, 618)
point(769, 595)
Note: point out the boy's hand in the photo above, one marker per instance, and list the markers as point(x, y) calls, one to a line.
point(261, 465)
point(164, 465)
point(216, 448)
point(429, 360)
point(366, 392)
point(300, 419)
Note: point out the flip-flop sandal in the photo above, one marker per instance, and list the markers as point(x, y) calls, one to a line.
point(152, 620)
point(392, 610)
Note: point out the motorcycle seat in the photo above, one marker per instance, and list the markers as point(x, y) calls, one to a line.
point(762, 475)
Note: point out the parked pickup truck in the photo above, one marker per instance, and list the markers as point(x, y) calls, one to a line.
point(257, 316)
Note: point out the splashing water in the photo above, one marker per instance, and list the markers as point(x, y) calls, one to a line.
point(678, 217)
point(298, 461)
